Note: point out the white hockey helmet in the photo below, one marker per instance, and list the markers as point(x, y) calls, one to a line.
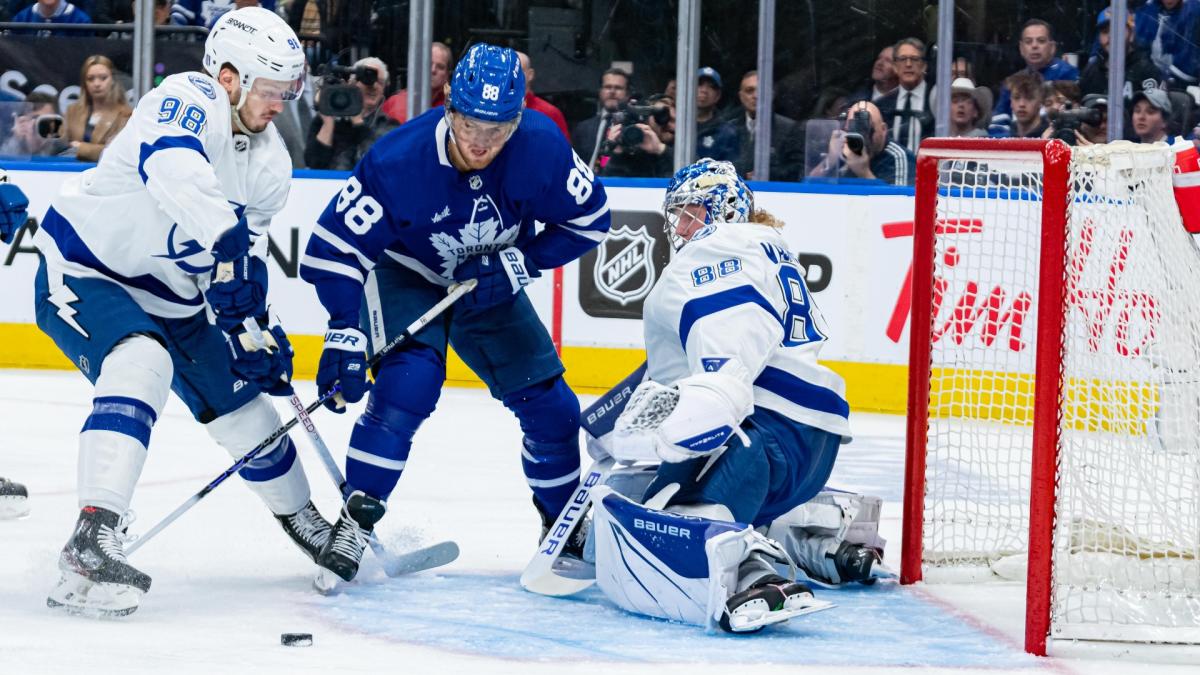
point(260, 45)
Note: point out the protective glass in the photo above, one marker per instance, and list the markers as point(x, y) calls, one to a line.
point(480, 132)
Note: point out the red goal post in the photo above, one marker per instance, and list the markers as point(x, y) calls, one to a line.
point(1054, 441)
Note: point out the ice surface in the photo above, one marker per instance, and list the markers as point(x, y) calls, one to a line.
point(227, 582)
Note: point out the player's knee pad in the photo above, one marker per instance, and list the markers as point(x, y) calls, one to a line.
point(670, 565)
point(134, 381)
point(813, 532)
point(276, 474)
point(694, 418)
point(548, 411)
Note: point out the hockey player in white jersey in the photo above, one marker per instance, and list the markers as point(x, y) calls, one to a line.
point(135, 253)
point(746, 423)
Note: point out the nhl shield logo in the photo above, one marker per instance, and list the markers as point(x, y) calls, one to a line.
point(624, 271)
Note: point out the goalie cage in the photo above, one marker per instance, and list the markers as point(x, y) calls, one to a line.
point(1054, 392)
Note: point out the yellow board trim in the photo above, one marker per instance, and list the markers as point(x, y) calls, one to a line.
point(871, 387)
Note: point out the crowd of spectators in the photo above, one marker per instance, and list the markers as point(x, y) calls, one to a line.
point(632, 133)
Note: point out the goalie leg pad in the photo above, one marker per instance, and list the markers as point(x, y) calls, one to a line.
point(276, 474)
point(834, 537)
point(131, 390)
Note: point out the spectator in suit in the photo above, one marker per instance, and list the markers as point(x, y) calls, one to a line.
point(883, 78)
point(908, 107)
point(787, 143)
point(589, 135)
point(1038, 48)
point(535, 102)
point(396, 105)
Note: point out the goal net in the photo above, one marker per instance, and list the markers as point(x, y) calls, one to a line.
point(1054, 401)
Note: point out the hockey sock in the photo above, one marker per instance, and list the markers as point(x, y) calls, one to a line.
point(275, 475)
point(131, 391)
point(406, 391)
point(549, 416)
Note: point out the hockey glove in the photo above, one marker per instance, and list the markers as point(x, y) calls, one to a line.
point(13, 210)
point(262, 354)
point(501, 276)
point(238, 287)
point(344, 365)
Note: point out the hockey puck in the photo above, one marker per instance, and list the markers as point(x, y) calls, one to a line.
point(296, 639)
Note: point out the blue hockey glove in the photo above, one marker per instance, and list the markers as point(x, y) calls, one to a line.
point(343, 364)
point(13, 210)
point(238, 286)
point(501, 276)
point(262, 355)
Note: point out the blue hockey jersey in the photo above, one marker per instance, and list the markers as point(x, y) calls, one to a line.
point(405, 201)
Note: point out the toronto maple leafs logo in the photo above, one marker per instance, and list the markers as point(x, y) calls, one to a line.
point(484, 232)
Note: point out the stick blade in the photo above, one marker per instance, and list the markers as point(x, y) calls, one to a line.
point(426, 558)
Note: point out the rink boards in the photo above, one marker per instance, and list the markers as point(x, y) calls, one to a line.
point(854, 242)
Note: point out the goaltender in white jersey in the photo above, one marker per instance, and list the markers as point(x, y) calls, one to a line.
point(746, 423)
point(171, 227)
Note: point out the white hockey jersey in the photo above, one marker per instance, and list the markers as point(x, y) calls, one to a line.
point(165, 189)
point(735, 292)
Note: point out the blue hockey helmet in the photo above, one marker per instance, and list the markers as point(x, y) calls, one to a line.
point(488, 84)
point(713, 184)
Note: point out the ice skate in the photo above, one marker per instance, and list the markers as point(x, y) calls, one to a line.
point(570, 562)
point(97, 581)
point(343, 551)
point(14, 500)
point(769, 600)
point(308, 529)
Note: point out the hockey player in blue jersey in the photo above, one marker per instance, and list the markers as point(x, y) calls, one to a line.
point(452, 195)
point(745, 422)
point(135, 253)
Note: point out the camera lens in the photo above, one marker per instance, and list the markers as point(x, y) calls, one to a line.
point(631, 136)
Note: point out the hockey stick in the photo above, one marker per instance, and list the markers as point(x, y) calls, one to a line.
point(455, 293)
point(441, 553)
point(540, 575)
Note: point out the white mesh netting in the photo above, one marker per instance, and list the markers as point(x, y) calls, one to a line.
point(1127, 526)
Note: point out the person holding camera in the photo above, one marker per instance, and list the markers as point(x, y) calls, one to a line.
point(862, 149)
point(100, 113)
point(339, 135)
point(640, 141)
point(36, 130)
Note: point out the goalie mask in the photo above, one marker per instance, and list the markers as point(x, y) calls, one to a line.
point(702, 194)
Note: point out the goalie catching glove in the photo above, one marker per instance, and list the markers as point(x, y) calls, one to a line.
point(694, 418)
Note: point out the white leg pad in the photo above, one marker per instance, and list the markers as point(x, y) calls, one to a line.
point(670, 565)
point(241, 431)
point(819, 526)
point(110, 462)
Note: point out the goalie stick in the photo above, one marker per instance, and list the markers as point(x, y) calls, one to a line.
point(542, 574)
point(423, 558)
point(454, 294)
